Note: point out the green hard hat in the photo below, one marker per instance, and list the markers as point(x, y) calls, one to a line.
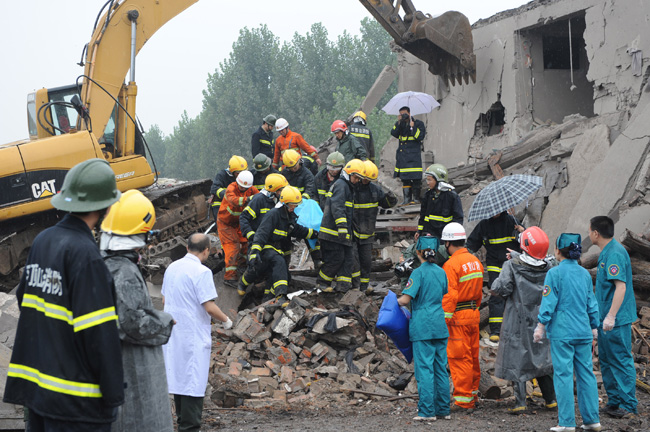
point(262, 162)
point(88, 186)
point(270, 119)
point(336, 159)
point(438, 171)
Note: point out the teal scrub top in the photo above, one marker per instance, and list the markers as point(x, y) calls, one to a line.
point(426, 286)
point(569, 309)
point(614, 264)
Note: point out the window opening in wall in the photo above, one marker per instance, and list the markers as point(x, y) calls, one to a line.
point(491, 122)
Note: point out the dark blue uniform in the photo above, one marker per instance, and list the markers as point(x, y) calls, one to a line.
point(262, 142)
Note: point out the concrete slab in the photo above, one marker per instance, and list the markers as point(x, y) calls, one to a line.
point(636, 219)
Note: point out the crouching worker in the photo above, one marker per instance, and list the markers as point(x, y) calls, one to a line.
point(143, 329)
point(520, 284)
point(272, 245)
point(428, 331)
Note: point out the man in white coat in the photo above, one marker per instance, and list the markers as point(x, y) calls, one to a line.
point(188, 292)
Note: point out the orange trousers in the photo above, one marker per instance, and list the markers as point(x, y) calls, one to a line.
point(462, 354)
point(235, 248)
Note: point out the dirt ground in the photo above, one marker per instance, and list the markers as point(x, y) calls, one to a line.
point(375, 416)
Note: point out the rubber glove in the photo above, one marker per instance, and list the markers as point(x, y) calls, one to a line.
point(538, 334)
point(608, 322)
point(594, 333)
point(228, 324)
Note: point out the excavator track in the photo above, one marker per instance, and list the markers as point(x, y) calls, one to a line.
point(181, 209)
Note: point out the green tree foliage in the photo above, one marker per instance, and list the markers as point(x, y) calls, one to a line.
point(311, 81)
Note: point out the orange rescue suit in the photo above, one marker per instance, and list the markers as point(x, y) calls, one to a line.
point(292, 140)
point(461, 305)
point(235, 246)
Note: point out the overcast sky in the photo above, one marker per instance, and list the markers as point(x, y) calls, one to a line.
point(41, 42)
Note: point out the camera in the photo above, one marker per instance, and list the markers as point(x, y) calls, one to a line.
point(405, 268)
point(405, 117)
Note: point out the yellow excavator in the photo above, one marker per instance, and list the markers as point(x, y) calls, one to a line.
point(95, 118)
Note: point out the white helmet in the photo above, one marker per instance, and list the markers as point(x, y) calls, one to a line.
point(453, 231)
point(245, 179)
point(281, 123)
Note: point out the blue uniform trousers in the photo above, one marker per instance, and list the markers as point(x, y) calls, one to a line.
point(571, 356)
point(430, 364)
point(617, 367)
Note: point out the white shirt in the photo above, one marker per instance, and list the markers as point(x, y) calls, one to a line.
point(186, 286)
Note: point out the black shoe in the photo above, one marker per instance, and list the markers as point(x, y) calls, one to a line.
point(230, 283)
point(620, 413)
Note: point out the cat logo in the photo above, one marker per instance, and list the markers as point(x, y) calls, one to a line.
point(44, 189)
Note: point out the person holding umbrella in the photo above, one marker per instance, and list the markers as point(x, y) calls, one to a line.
point(408, 158)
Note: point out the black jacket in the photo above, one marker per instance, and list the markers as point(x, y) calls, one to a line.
point(323, 186)
point(497, 235)
point(67, 330)
point(364, 135)
point(408, 157)
point(259, 177)
point(262, 142)
point(337, 216)
point(367, 199)
point(437, 210)
point(252, 216)
point(220, 182)
point(277, 229)
point(302, 179)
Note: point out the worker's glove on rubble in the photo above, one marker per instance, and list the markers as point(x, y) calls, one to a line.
point(594, 333)
point(538, 334)
point(608, 323)
point(228, 324)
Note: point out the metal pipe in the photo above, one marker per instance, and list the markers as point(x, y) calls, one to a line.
point(133, 17)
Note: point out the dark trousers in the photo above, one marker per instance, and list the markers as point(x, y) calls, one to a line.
point(497, 305)
point(188, 412)
point(337, 264)
point(362, 264)
point(274, 268)
point(38, 423)
point(545, 384)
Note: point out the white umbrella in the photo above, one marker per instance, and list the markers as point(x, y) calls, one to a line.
point(418, 102)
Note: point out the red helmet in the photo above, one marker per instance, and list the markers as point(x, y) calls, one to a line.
point(339, 125)
point(534, 242)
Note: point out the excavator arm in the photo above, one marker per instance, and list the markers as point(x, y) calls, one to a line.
point(444, 42)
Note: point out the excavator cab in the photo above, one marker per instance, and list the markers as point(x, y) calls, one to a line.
point(50, 112)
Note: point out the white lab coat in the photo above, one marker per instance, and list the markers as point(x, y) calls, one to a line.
point(186, 286)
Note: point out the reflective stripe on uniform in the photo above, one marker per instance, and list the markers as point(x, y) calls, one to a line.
point(55, 311)
point(360, 135)
point(363, 236)
point(343, 279)
point(280, 232)
point(365, 280)
point(349, 204)
point(356, 274)
point(256, 247)
point(52, 383)
point(438, 218)
point(470, 276)
point(494, 269)
point(251, 212)
point(420, 227)
point(265, 142)
point(405, 170)
point(95, 318)
point(329, 231)
point(464, 399)
point(280, 282)
point(341, 220)
point(234, 213)
point(322, 192)
point(501, 240)
point(449, 315)
point(324, 276)
point(216, 203)
point(496, 320)
point(250, 234)
point(366, 205)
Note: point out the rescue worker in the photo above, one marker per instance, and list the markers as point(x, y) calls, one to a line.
point(235, 246)
point(326, 178)
point(272, 240)
point(427, 330)
point(297, 175)
point(336, 230)
point(569, 314)
point(263, 168)
point(347, 144)
point(441, 205)
point(520, 284)
point(408, 157)
point(143, 328)
point(497, 234)
point(360, 130)
point(222, 180)
point(262, 139)
point(251, 217)
point(66, 363)
point(291, 140)
point(367, 199)
point(617, 306)
point(465, 278)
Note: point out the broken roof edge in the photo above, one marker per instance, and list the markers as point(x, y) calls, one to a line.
point(508, 13)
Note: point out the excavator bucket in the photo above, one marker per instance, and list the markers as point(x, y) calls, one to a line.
point(445, 43)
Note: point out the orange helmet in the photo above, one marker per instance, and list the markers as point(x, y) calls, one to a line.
point(339, 126)
point(534, 242)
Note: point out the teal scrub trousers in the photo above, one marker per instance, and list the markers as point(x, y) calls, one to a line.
point(571, 356)
point(430, 363)
point(617, 367)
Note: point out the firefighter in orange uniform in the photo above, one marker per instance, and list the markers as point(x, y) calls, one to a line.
point(235, 246)
point(461, 305)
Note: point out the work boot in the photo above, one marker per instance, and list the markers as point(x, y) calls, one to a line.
point(415, 199)
point(241, 288)
point(494, 338)
point(406, 192)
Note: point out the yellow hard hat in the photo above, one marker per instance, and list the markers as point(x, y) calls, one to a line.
point(132, 214)
point(359, 114)
point(290, 195)
point(237, 163)
point(356, 166)
point(372, 172)
point(290, 157)
point(275, 182)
